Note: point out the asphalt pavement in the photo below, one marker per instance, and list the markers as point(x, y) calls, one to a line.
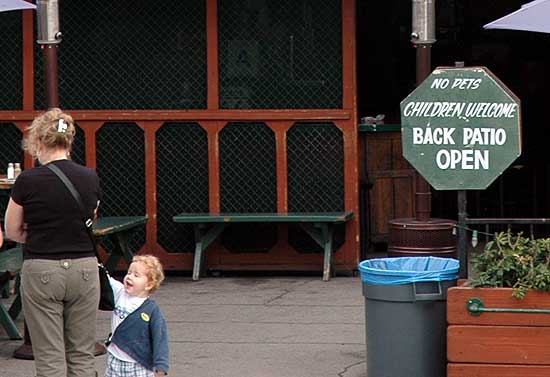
point(282, 326)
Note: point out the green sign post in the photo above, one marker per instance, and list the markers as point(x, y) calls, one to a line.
point(461, 128)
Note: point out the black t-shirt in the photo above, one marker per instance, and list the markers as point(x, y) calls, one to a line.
point(55, 229)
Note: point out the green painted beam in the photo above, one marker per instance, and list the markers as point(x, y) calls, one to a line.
point(113, 224)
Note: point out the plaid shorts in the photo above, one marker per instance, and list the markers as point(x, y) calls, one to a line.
point(119, 368)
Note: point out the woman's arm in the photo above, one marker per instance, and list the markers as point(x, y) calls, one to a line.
point(14, 222)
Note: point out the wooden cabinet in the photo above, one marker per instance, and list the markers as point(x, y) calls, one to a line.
point(387, 182)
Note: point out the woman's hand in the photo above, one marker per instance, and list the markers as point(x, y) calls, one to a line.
point(160, 373)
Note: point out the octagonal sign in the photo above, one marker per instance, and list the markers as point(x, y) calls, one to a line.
point(461, 128)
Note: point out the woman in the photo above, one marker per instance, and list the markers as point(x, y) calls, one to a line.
point(59, 275)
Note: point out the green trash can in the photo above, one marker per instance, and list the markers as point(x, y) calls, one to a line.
point(405, 315)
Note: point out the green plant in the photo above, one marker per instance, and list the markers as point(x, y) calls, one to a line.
point(514, 261)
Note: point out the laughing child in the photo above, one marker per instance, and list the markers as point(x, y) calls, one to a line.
point(138, 346)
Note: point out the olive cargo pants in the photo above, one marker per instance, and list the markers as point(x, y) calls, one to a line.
point(60, 300)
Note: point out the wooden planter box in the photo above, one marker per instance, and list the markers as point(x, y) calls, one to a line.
point(497, 344)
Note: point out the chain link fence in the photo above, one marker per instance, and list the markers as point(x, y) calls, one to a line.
point(129, 55)
point(182, 181)
point(284, 54)
point(141, 55)
point(248, 183)
point(280, 54)
point(248, 173)
point(248, 177)
point(120, 159)
point(315, 177)
point(78, 153)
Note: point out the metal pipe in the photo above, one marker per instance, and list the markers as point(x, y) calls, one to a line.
point(476, 307)
point(423, 21)
point(51, 75)
point(422, 36)
point(423, 62)
point(47, 22)
point(423, 195)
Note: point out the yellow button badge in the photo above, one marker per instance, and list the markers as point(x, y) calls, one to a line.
point(145, 317)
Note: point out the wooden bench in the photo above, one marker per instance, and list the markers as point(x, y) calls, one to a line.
point(118, 229)
point(320, 226)
point(11, 260)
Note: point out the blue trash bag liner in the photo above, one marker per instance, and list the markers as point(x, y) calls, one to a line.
point(404, 270)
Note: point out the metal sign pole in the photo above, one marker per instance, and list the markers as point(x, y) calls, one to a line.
point(462, 206)
point(462, 239)
point(423, 194)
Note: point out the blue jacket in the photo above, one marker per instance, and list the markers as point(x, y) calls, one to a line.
point(144, 336)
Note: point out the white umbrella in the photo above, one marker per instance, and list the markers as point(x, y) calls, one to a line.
point(7, 5)
point(533, 16)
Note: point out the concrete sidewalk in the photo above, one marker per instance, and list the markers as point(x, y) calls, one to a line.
point(250, 327)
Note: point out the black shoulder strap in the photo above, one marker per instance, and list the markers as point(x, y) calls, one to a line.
point(88, 222)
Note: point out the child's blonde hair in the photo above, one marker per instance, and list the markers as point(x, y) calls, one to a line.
point(51, 129)
point(155, 274)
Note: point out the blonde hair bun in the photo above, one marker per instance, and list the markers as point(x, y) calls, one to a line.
point(52, 129)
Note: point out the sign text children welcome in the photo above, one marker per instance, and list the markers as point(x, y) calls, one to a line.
point(461, 128)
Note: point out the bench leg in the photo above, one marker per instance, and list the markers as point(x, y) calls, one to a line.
point(5, 278)
point(203, 239)
point(16, 305)
point(327, 231)
point(198, 260)
point(322, 234)
point(120, 250)
point(8, 324)
point(127, 254)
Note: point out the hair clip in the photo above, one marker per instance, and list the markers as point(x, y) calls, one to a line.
point(61, 126)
